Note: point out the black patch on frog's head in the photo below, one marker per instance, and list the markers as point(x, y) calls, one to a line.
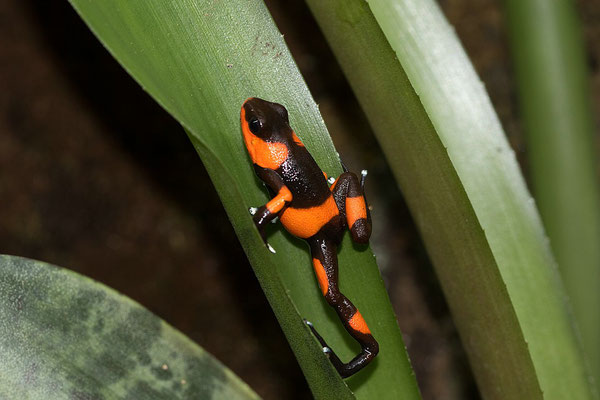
point(267, 120)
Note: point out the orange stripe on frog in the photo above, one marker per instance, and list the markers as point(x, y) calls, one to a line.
point(297, 139)
point(305, 222)
point(321, 276)
point(276, 203)
point(355, 209)
point(357, 322)
point(265, 154)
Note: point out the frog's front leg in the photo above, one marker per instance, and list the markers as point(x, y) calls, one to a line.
point(265, 214)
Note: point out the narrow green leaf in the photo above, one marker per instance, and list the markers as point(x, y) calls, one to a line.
point(555, 102)
point(65, 336)
point(460, 178)
point(200, 60)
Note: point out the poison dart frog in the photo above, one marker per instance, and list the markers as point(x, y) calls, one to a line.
point(311, 210)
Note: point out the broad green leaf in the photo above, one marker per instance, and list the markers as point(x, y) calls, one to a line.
point(200, 59)
point(559, 125)
point(64, 336)
point(448, 152)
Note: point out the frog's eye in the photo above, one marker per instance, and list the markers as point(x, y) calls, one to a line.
point(254, 124)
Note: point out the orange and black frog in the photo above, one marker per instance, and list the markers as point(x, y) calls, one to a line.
point(311, 209)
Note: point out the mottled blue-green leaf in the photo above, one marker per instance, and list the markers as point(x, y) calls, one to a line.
point(64, 336)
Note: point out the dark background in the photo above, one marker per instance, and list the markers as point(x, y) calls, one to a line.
point(95, 177)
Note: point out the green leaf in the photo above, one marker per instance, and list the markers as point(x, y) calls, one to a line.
point(447, 150)
point(554, 94)
point(65, 336)
point(200, 60)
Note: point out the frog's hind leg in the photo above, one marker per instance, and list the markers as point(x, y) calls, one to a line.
point(324, 254)
point(350, 198)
